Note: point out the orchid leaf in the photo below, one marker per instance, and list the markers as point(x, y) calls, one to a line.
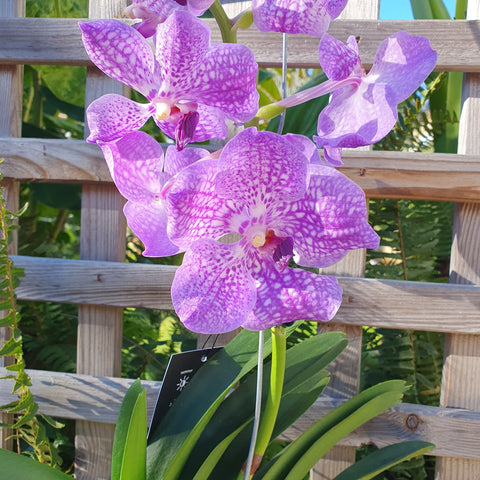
point(384, 458)
point(300, 456)
point(20, 467)
point(130, 441)
point(305, 379)
point(177, 434)
point(212, 460)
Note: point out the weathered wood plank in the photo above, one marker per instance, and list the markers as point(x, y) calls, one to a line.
point(102, 237)
point(381, 303)
point(11, 87)
point(408, 175)
point(57, 41)
point(455, 431)
point(460, 386)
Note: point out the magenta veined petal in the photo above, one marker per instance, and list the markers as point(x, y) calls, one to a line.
point(293, 295)
point(296, 16)
point(120, 52)
point(212, 291)
point(112, 116)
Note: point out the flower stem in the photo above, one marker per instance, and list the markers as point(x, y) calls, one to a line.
point(277, 374)
point(223, 22)
point(258, 407)
point(267, 112)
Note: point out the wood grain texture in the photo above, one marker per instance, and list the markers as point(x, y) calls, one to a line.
point(455, 431)
point(58, 41)
point(102, 237)
point(407, 175)
point(380, 303)
point(345, 370)
point(11, 88)
point(460, 386)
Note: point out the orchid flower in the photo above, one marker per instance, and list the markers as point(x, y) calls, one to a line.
point(154, 12)
point(297, 16)
point(139, 169)
point(192, 86)
point(363, 107)
point(364, 113)
point(264, 189)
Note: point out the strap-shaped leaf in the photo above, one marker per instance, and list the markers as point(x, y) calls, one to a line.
point(20, 467)
point(130, 440)
point(384, 458)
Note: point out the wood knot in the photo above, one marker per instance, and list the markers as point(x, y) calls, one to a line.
point(99, 277)
point(350, 299)
point(363, 171)
point(412, 422)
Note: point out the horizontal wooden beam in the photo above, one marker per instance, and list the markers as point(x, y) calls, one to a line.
point(455, 432)
point(407, 175)
point(57, 41)
point(377, 303)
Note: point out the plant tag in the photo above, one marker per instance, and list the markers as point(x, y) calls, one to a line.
point(180, 370)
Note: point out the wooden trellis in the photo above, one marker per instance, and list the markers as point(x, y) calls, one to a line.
point(102, 284)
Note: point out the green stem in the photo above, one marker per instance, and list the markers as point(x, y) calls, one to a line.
point(279, 349)
point(223, 22)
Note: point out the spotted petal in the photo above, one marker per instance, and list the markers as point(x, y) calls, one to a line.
point(261, 168)
point(149, 222)
point(120, 52)
point(176, 161)
point(182, 42)
point(112, 116)
point(227, 80)
point(212, 291)
point(329, 221)
point(136, 163)
point(337, 59)
point(194, 209)
point(292, 295)
point(311, 17)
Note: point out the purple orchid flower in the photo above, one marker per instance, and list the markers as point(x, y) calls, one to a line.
point(154, 12)
point(298, 16)
point(139, 169)
point(192, 86)
point(264, 190)
point(365, 111)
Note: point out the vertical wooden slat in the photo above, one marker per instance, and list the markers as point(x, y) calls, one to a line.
point(345, 371)
point(11, 89)
point(103, 232)
point(461, 371)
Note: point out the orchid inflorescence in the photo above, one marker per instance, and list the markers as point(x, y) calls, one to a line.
point(247, 216)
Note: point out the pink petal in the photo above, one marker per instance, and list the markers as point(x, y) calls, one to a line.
point(212, 291)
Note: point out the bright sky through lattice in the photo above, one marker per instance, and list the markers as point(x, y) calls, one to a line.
point(402, 10)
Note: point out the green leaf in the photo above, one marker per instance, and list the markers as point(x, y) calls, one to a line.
point(384, 458)
point(19, 467)
point(212, 460)
point(305, 379)
point(302, 454)
point(177, 434)
point(22, 404)
point(421, 9)
point(130, 440)
point(12, 347)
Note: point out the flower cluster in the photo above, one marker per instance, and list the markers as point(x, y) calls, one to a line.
point(258, 217)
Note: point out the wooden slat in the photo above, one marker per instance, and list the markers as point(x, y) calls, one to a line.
point(381, 303)
point(102, 237)
point(58, 41)
point(461, 370)
point(345, 370)
point(407, 175)
point(83, 397)
point(11, 88)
